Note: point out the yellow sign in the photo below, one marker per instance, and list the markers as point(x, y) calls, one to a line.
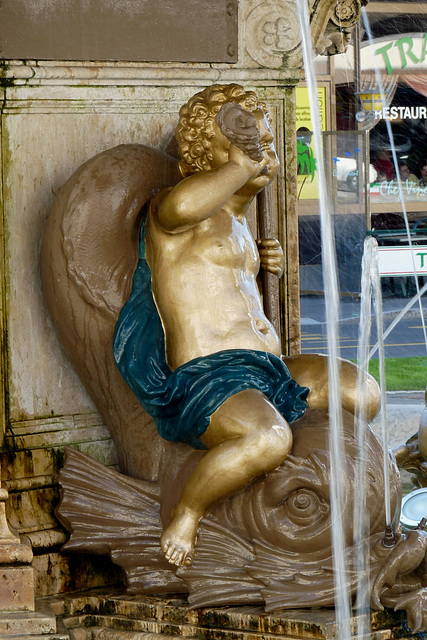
point(372, 101)
point(307, 173)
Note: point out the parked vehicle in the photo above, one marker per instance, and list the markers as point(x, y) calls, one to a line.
point(347, 174)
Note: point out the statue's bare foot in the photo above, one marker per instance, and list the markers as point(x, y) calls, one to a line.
point(179, 537)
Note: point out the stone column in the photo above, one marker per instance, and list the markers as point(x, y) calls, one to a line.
point(16, 571)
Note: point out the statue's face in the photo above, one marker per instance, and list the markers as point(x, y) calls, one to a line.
point(267, 142)
point(220, 146)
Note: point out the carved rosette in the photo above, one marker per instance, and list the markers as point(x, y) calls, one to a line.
point(272, 30)
point(346, 13)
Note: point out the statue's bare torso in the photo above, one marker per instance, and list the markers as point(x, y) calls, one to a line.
point(215, 265)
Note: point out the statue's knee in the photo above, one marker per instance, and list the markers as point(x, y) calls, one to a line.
point(274, 444)
point(369, 399)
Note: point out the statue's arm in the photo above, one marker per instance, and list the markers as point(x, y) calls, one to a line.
point(203, 194)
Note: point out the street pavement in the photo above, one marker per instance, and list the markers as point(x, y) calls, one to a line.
point(403, 415)
point(405, 340)
point(403, 408)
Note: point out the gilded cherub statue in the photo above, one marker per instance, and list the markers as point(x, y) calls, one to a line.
point(217, 380)
point(149, 263)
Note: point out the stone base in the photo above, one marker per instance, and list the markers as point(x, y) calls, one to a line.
point(16, 588)
point(36, 625)
point(16, 576)
point(112, 615)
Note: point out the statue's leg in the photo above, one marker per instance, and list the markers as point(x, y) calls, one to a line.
point(311, 370)
point(246, 438)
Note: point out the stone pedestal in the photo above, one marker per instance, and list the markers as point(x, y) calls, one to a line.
point(113, 616)
point(19, 616)
point(16, 572)
point(17, 588)
point(40, 624)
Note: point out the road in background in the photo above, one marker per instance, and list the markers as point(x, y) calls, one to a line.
point(406, 340)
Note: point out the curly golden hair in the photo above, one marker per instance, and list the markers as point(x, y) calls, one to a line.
point(195, 128)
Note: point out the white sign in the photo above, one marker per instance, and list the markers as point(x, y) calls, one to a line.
point(403, 113)
point(397, 261)
point(404, 52)
point(408, 50)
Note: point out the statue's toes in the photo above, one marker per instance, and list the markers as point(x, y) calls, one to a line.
point(178, 558)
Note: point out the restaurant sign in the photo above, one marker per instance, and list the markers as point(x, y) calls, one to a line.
point(406, 52)
point(400, 53)
point(401, 113)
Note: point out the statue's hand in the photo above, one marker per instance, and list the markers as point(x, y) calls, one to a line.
point(248, 148)
point(240, 127)
point(271, 255)
point(253, 167)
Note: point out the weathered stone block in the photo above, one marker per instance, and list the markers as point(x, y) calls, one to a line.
point(18, 625)
point(60, 572)
point(15, 553)
point(16, 589)
point(112, 615)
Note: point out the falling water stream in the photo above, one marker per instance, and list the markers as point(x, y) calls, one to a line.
point(360, 512)
point(380, 85)
point(381, 91)
point(342, 596)
point(377, 290)
point(399, 317)
point(371, 287)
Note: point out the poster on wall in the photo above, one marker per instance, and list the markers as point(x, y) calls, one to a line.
point(306, 158)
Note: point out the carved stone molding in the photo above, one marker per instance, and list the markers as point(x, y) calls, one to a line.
point(269, 38)
point(272, 37)
point(16, 74)
point(332, 22)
